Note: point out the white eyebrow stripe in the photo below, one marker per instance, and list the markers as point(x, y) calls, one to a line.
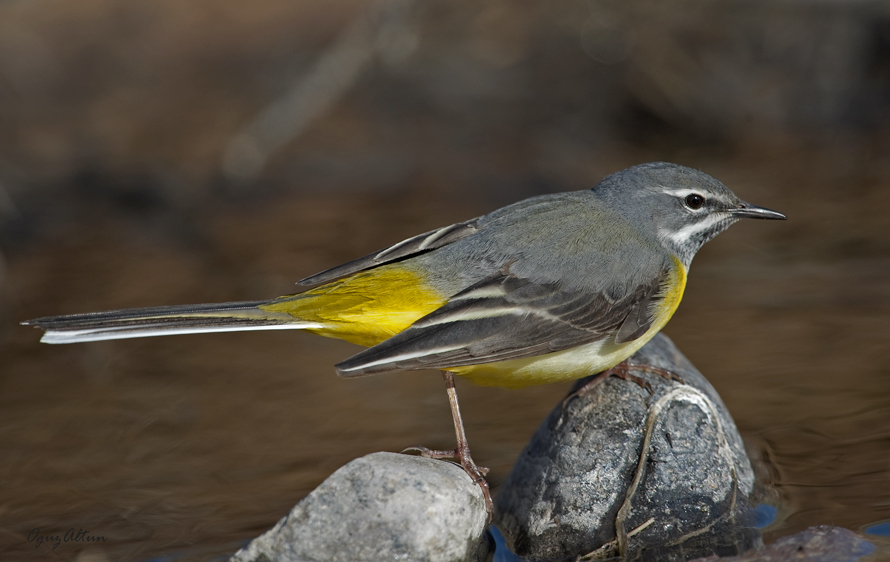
point(680, 191)
point(683, 192)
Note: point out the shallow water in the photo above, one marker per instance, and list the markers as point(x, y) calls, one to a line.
point(188, 446)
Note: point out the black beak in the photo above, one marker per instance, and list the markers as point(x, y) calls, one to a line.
point(746, 210)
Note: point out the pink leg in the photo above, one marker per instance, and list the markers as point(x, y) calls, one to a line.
point(462, 451)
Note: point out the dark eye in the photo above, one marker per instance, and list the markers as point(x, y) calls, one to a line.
point(694, 201)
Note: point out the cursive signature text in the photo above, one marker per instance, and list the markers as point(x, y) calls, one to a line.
point(68, 536)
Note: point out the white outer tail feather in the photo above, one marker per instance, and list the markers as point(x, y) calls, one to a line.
point(101, 334)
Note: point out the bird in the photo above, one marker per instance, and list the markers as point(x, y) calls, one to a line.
point(551, 288)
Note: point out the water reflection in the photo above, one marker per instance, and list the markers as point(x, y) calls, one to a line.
point(195, 443)
point(115, 120)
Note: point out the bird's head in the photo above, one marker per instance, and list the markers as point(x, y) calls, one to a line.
point(683, 208)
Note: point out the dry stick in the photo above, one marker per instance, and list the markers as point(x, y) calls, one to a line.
point(605, 551)
point(693, 396)
point(730, 513)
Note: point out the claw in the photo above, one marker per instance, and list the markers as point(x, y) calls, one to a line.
point(664, 373)
point(462, 452)
point(431, 453)
point(622, 371)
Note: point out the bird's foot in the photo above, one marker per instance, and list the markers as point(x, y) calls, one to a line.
point(462, 455)
point(664, 373)
point(622, 371)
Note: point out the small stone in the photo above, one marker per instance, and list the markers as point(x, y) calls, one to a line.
point(616, 470)
point(383, 506)
point(816, 544)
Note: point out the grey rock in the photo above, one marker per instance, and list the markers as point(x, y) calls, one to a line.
point(616, 470)
point(383, 506)
point(816, 544)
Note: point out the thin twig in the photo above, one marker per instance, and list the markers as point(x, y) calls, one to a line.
point(688, 394)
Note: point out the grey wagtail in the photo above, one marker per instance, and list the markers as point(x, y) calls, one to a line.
point(552, 288)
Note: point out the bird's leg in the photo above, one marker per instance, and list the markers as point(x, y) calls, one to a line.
point(462, 451)
point(622, 371)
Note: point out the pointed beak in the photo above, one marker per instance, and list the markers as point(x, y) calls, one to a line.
point(746, 210)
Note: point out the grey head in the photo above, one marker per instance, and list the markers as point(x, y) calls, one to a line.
point(680, 207)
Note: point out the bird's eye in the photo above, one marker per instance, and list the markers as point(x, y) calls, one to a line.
point(694, 201)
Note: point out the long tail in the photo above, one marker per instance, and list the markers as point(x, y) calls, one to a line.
point(165, 320)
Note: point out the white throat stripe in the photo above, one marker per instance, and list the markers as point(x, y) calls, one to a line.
point(685, 234)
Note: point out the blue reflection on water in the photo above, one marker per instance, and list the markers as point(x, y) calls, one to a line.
point(881, 529)
point(764, 514)
point(501, 552)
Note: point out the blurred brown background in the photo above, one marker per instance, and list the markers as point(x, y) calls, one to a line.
point(159, 152)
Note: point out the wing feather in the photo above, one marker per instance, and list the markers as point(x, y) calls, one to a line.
point(512, 318)
point(406, 248)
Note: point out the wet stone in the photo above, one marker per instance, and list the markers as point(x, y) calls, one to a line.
point(383, 506)
point(614, 470)
point(816, 544)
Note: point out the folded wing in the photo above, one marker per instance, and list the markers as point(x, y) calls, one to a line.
point(410, 247)
point(508, 317)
